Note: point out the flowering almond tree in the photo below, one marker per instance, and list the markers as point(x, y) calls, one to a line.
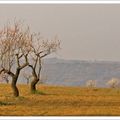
point(113, 83)
point(40, 48)
point(91, 83)
point(14, 50)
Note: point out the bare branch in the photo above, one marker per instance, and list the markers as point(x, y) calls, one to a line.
point(26, 62)
point(44, 55)
point(40, 66)
point(7, 71)
point(17, 59)
point(36, 60)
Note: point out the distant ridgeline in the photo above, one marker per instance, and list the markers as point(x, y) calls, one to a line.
point(77, 73)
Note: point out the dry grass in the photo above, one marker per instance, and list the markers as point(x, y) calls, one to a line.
point(59, 101)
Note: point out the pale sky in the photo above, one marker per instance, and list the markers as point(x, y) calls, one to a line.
point(87, 32)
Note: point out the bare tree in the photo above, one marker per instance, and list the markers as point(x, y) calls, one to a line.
point(27, 76)
point(40, 49)
point(4, 77)
point(14, 50)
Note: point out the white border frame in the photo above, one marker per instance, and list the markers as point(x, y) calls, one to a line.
point(59, 118)
point(57, 2)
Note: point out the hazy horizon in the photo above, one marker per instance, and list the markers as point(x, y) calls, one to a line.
point(86, 31)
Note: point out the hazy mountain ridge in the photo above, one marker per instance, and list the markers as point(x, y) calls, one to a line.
point(77, 72)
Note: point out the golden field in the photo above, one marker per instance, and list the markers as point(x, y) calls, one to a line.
point(59, 101)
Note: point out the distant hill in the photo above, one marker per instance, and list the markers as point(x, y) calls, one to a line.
point(77, 72)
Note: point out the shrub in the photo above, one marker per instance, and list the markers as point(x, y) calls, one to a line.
point(113, 83)
point(91, 83)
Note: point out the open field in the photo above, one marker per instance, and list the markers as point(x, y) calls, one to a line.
point(60, 101)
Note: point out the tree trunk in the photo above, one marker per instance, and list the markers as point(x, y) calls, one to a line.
point(14, 87)
point(33, 85)
point(14, 82)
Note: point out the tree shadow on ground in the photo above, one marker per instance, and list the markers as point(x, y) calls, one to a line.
point(6, 103)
